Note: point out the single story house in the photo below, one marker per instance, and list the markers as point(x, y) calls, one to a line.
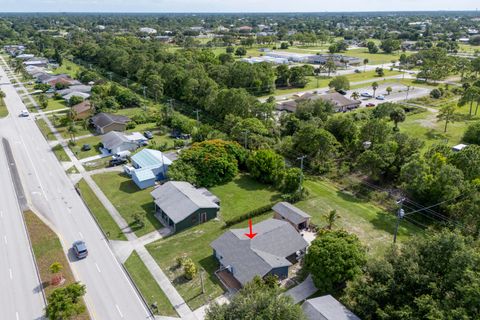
point(327, 308)
point(106, 122)
point(39, 62)
point(138, 138)
point(25, 56)
point(179, 205)
point(288, 212)
point(83, 110)
point(149, 166)
point(116, 142)
point(75, 88)
point(76, 94)
point(276, 247)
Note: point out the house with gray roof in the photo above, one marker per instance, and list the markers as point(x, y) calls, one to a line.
point(116, 142)
point(273, 251)
point(106, 122)
point(179, 205)
point(299, 219)
point(327, 308)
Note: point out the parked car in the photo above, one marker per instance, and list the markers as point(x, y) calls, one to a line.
point(366, 95)
point(117, 162)
point(380, 97)
point(148, 134)
point(121, 155)
point(80, 249)
point(24, 113)
point(86, 147)
point(342, 92)
point(370, 105)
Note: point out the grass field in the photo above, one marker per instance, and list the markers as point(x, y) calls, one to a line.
point(3, 109)
point(93, 141)
point(236, 196)
point(60, 153)
point(372, 225)
point(47, 250)
point(68, 67)
point(62, 129)
point(42, 125)
point(129, 200)
point(147, 285)
point(108, 225)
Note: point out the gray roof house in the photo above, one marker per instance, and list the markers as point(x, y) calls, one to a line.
point(287, 211)
point(106, 122)
point(179, 205)
point(116, 142)
point(327, 308)
point(276, 247)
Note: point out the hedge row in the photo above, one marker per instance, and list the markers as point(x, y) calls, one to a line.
point(250, 214)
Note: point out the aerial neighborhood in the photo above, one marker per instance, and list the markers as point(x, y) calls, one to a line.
point(217, 166)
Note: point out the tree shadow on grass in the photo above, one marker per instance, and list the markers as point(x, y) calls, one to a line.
point(350, 197)
point(384, 221)
point(128, 186)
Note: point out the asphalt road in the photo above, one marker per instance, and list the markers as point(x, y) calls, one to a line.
point(20, 294)
point(110, 295)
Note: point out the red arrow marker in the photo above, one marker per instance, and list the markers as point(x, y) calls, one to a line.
point(251, 235)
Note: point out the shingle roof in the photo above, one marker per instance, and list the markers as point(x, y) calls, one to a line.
point(275, 241)
point(290, 212)
point(150, 157)
point(113, 139)
point(102, 120)
point(82, 106)
point(338, 99)
point(179, 199)
point(76, 94)
point(327, 308)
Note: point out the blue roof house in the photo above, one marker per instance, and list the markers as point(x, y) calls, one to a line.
point(150, 166)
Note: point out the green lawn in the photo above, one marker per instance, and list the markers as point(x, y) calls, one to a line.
point(377, 58)
point(62, 129)
point(129, 200)
point(371, 224)
point(243, 194)
point(42, 125)
point(60, 153)
point(195, 244)
point(93, 141)
point(108, 225)
point(53, 104)
point(147, 285)
point(3, 109)
point(68, 67)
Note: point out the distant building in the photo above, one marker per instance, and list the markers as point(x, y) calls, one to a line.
point(83, 110)
point(326, 308)
point(339, 102)
point(148, 30)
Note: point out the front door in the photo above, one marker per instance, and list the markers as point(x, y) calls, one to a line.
point(203, 217)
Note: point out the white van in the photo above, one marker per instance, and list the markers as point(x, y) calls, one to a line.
point(121, 155)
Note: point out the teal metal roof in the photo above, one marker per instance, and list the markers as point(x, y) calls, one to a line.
point(143, 174)
point(149, 158)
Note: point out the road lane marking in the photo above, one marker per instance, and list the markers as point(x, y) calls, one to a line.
point(5, 238)
point(81, 235)
point(96, 265)
point(1, 214)
point(120, 312)
point(17, 316)
point(11, 275)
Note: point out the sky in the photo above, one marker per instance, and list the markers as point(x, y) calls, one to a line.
point(232, 5)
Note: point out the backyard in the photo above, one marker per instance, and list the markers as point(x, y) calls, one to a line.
point(94, 143)
point(129, 200)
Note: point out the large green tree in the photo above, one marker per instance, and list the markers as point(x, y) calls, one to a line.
point(65, 303)
point(333, 258)
point(265, 165)
point(433, 276)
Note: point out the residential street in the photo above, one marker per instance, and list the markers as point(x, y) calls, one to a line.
point(20, 297)
point(110, 295)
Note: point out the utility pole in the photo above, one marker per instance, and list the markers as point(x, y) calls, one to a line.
point(408, 90)
point(110, 75)
point(126, 80)
point(400, 215)
point(201, 280)
point(144, 93)
point(196, 112)
point(301, 175)
point(246, 132)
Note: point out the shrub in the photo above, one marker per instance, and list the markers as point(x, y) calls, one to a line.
point(189, 268)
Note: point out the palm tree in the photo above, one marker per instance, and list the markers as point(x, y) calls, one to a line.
point(365, 62)
point(330, 66)
point(397, 115)
point(355, 95)
point(389, 90)
point(374, 87)
point(330, 218)
point(470, 95)
point(72, 130)
point(446, 113)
